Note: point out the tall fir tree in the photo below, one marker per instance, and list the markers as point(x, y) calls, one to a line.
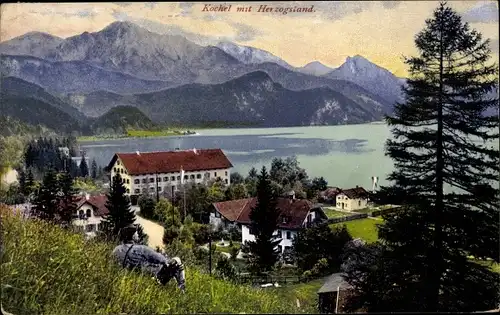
point(67, 198)
point(120, 214)
point(30, 183)
point(264, 219)
point(22, 183)
point(445, 165)
point(84, 168)
point(46, 200)
point(93, 169)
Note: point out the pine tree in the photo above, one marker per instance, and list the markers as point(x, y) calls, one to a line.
point(264, 222)
point(46, 201)
point(444, 168)
point(84, 168)
point(67, 199)
point(22, 183)
point(93, 169)
point(30, 183)
point(143, 238)
point(120, 214)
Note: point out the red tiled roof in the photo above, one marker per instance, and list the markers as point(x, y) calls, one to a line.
point(172, 161)
point(239, 210)
point(354, 193)
point(98, 202)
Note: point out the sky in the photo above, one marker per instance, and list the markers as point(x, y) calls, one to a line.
point(381, 31)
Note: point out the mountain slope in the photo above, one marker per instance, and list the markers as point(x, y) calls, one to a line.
point(74, 76)
point(375, 79)
point(119, 119)
point(129, 48)
point(20, 88)
point(252, 98)
point(315, 68)
point(251, 55)
point(35, 44)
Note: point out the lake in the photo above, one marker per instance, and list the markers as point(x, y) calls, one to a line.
point(345, 156)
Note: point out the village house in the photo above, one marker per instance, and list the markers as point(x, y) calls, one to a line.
point(163, 173)
point(296, 214)
point(352, 199)
point(89, 213)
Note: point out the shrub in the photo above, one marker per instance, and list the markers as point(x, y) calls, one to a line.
point(48, 270)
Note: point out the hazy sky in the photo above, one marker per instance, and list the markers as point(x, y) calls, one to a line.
point(382, 31)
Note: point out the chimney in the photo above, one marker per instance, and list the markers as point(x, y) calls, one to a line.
point(87, 196)
point(137, 152)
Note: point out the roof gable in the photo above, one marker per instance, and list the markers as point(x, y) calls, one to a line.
point(172, 161)
point(355, 193)
point(98, 202)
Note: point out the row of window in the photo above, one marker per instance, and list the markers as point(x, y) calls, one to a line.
point(119, 170)
point(339, 204)
point(174, 178)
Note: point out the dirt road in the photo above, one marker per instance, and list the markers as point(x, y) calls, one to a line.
point(153, 230)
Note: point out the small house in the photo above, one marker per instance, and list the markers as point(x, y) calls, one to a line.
point(89, 213)
point(352, 199)
point(330, 296)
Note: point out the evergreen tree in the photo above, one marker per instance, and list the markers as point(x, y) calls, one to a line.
point(22, 183)
point(93, 169)
point(45, 204)
point(84, 168)
point(143, 238)
point(120, 214)
point(67, 198)
point(444, 168)
point(30, 183)
point(264, 222)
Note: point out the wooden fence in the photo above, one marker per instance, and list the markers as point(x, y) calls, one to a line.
point(257, 280)
point(378, 213)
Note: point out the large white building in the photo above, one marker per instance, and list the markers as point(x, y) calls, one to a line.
point(164, 173)
point(296, 214)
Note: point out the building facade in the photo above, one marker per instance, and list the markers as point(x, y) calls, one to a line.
point(164, 173)
point(352, 199)
point(296, 214)
point(89, 213)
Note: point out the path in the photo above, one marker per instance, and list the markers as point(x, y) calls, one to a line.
point(153, 230)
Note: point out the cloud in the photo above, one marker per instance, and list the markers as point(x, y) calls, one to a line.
point(245, 32)
point(494, 46)
point(483, 12)
point(85, 13)
point(390, 4)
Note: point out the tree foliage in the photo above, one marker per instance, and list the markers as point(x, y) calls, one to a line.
point(445, 165)
point(120, 214)
point(264, 222)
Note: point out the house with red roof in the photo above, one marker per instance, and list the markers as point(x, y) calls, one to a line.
point(90, 211)
point(296, 214)
point(352, 199)
point(165, 172)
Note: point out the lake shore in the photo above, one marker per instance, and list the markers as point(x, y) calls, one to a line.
point(132, 134)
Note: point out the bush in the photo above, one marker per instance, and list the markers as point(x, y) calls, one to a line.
point(48, 270)
point(170, 234)
point(234, 233)
point(201, 233)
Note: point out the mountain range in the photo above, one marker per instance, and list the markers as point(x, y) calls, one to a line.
point(172, 79)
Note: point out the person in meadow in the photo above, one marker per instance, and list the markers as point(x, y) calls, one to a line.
point(134, 256)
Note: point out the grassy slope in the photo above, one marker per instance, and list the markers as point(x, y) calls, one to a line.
point(365, 229)
point(53, 271)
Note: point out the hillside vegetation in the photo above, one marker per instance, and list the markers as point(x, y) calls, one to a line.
point(47, 270)
point(121, 118)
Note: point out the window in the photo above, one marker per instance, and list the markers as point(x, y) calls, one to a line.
point(288, 235)
point(217, 214)
point(144, 181)
point(151, 188)
point(250, 231)
point(215, 174)
point(117, 162)
point(81, 214)
point(192, 176)
point(359, 203)
point(159, 188)
point(128, 181)
point(226, 180)
point(151, 180)
point(89, 213)
point(114, 169)
point(338, 204)
point(172, 178)
point(137, 191)
point(128, 191)
point(226, 173)
point(159, 179)
point(136, 181)
point(185, 177)
point(121, 170)
point(178, 178)
point(165, 179)
point(198, 176)
point(123, 180)
point(125, 171)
